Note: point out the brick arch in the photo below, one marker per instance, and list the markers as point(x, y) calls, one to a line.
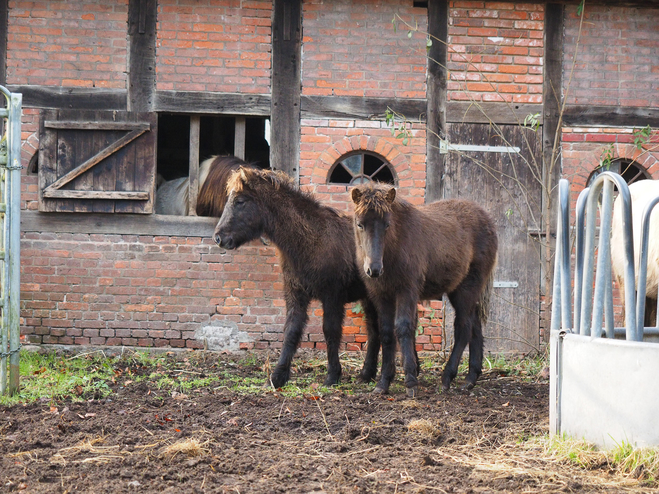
point(376, 145)
point(630, 152)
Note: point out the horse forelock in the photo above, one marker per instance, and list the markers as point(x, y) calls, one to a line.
point(255, 179)
point(373, 198)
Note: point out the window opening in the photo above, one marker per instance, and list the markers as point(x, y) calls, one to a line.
point(362, 167)
point(244, 137)
point(629, 170)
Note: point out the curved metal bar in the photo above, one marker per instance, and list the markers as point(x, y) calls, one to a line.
point(603, 285)
point(643, 268)
point(589, 259)
point(561, 286)
point(6, 92)
point(579, 254)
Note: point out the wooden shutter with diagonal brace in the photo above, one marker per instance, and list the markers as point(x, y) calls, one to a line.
point(97, 161)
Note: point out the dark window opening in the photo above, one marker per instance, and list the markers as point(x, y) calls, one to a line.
point(420, 5)
point(359, 168)
point(630, 171)
point(217, 136)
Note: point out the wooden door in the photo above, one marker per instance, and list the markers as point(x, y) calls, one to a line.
point(97, 161)
point(483, 165)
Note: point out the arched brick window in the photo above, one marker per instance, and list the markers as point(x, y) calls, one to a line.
point(630, 171)
point(361, 167)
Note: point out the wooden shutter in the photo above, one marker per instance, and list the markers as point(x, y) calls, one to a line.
point(97, 161)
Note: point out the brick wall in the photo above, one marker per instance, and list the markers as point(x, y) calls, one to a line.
point(351, 49)
point(495, 51)
point(211, 46)
point(617, 61)
point(67, 43)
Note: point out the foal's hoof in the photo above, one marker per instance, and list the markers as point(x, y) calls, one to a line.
point(445, 387)
point(331, 381)
point(379, 391)
point(365, 377)
point(278, 379)
point(468, 386)
point(413, 392)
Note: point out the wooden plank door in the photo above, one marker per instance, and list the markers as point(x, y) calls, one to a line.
point(485, 168)
point(97, 161)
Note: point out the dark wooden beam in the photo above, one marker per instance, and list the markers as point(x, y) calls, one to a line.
point(361, 108)
point(610, 116)
point(286, 86)
point(118, 224)
point(68, 98)
point(436, 108)
point(203, 102)
point(142, 18)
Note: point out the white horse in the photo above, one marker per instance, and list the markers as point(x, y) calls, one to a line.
point(642, 193)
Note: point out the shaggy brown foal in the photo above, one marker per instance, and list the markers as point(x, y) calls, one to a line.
point(317, 257)
point(410, 254)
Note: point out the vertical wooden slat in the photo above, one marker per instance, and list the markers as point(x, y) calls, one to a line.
point(142, 18)
point(125, 162)
point(239, 138)
point(193, 182)
point(47, 158)
point(105, 174)
point(285, 102)
point(436, 97)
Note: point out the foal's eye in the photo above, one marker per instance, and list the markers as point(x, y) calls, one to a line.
point(360, 226)
point(386, 225)
point(239, 202)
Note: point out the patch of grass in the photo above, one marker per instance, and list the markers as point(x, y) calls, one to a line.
point(54, 377)
point(625, 460)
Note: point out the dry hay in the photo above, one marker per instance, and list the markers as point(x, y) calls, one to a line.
point(190, 447)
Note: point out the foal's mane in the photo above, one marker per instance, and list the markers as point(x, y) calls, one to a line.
point(373, 198)
point(263, 181)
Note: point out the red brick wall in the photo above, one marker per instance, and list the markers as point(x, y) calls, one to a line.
point(351, 49)
point(617, 61)
point(67, 43)
point(495, 51)
point(211, 46)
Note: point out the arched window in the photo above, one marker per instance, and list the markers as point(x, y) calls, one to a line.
point(630, 171)
point(361, 167)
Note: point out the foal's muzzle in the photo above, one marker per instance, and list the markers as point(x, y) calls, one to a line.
point(374, 269)
point(226, 242)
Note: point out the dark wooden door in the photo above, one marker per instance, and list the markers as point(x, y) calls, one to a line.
point(485, 167)
point(97, 161)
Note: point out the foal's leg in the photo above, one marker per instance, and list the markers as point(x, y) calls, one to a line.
point(333, 313)
point(386, 315)
point(475, 350)
point(296, 319)
point(406, 317)
point(370, 368)
point(462, 337)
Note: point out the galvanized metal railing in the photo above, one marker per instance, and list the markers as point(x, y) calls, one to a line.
point(593, 302)
point(10, 209)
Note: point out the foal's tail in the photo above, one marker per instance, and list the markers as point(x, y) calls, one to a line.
point(484, 302)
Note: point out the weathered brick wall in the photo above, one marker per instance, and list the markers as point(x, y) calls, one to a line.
point(617, 60)
point(214, 46)
point(351, 49)
point(495, 51)
point(67, 43)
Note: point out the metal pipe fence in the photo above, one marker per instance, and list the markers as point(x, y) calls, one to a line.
point(10, 233)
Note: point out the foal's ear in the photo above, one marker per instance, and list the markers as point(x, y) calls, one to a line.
point(391, 195)
point(356, 196)
point(243, 175)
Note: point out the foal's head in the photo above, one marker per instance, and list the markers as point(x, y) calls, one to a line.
point(371, 220)
point(244, 215)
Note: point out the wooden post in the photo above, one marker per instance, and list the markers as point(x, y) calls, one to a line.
point(551, 169)
point(436, 89)
point(142, 17)
point(286, 80)
point(193, 182)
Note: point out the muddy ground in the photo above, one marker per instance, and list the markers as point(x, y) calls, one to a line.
point(224, 437)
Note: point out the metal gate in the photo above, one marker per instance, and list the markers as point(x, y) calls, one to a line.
point(10, 240)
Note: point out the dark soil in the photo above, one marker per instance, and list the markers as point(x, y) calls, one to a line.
point(347, 440)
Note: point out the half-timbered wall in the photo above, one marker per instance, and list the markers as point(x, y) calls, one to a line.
point(109, 279)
